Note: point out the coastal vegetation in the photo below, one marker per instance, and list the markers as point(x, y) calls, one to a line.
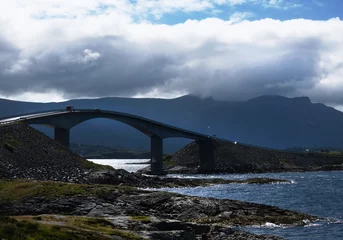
point(16, 190)
point(61, 228)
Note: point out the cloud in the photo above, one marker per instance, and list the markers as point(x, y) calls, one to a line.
point(278, 4)
point(91, 67)
point(101, 50)
point(240, 16)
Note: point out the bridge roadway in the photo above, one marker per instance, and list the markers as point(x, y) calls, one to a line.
point(62, 121)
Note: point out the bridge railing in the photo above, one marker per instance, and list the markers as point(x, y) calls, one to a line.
point(31, 113)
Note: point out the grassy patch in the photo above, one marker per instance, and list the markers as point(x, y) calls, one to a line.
point(286, 163)
point(9, 147)
point(9, 143)
point(17, 190)
point(11, 140)
point(62, 227)
point(282, 161)
point(94, 224)
point(126, 235)
point(167, 162)
point(335, 153)
point(11, 229)
point(91, 165)
point(143, 219)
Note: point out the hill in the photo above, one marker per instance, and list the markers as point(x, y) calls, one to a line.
point(27, 153)
point(240, 158)
point(268, 121)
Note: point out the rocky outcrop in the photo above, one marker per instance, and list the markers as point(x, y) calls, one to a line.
point(28, 154)
point(240, 158)
point(119, 177)
point(160, 215)
point(22, 197)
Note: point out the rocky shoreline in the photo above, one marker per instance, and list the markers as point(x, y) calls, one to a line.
point(148, 214)
point(44, 187)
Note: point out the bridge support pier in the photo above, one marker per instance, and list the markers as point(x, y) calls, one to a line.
point(62, 136)
point(156, 146)
point(207, 162)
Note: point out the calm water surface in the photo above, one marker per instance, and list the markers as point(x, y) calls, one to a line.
point(316, 193)
point(123, 163)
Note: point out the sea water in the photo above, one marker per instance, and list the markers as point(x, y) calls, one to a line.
point(129, 165)
point(316, 193)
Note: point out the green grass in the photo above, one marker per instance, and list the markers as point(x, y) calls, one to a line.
point(61, 228)
point(335, 153)
point(125, 235)
point(17, 190)
point(143, 219)
point(91, 165)
point(9, 143)
point(11, 140)
point(11, 229)
point(9, 147)
point(167, 162)
point(283, 161)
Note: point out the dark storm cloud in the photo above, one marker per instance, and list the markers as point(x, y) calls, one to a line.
point(8, 54)
point(289, 72)
point(112, 66)
point(92, 67)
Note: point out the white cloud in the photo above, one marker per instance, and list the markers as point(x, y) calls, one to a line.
point(240, 16)
point(280, 4)
point(100, 50)
point(48, 96)
point(231, 2)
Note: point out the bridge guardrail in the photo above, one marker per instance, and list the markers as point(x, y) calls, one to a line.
point(31, 113)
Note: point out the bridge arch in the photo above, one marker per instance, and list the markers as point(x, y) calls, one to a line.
point(62, 121)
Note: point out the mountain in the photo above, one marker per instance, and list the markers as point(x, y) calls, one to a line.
point(268, 121)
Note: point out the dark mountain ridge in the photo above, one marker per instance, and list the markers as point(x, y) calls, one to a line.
point(268, 121)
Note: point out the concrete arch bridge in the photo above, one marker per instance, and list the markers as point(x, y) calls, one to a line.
point(63, 120)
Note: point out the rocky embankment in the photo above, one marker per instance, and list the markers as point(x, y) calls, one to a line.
point(27, 153)
point(239, 158)
point(59, 193)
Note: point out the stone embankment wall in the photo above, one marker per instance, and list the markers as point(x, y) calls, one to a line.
point(240, 158)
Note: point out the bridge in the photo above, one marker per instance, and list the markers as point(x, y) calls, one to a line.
point(63, 120)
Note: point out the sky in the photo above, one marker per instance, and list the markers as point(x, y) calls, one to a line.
point(55, 50)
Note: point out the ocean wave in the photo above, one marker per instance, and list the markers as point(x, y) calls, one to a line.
point(270, 225)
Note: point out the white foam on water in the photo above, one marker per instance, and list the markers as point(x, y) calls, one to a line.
point(270, 225)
